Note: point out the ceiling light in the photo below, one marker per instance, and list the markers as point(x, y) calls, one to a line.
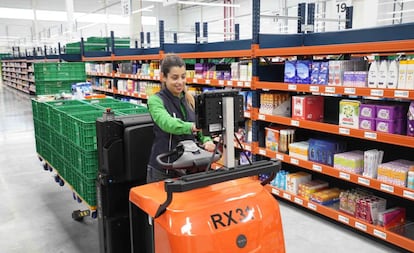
point(143, 9)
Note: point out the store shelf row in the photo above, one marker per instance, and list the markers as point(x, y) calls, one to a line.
point(391, 236)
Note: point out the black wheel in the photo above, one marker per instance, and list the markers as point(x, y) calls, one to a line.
point(74, 195)
point(57, 179)
point(40, 159)
point(78, 199)
point(45, 167)
point(50, 168)
point(94, 214)
point(61, 182)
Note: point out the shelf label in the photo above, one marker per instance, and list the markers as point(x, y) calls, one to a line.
point(314, 88)
point(279, 156)
point(344, 175)
point(262, 152)
point(360, 226)
point(239, 84)
point(262, 117)
point(364, 181)
point(247, 114)
point(294, 123)
point(275, 191)
point(317, 167)
point(294, 161)
point(229, 83)
point(380, 234)
point(194, 80)
point(401, 93)
point(298, 201)
point(377, 93)
point(344, 131)
point(330, 90)
point(387, 188)
point(312, 206)
point(408, 194)
point(292, 87)
point(287, 196)
point(343, 219)
point(208, 81)
point(247, 84)
point(349, 90)
point(221, 82)
point(370, 135)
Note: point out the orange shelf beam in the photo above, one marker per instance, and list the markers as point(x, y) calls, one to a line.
point(333, 172)
point(217, 54)
point(395, 139)
point(373, 230)
point(354, 91)
point(400, 46)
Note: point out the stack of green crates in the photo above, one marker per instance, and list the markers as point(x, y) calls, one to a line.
point(96, 44)
point(58, 77)
point(65, 133)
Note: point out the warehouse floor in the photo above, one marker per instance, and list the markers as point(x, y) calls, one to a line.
point(35, 212)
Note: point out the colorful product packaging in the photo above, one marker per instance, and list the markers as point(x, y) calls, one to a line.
point(308, 107)
point(293, 181)
point(349, 113)
point(326, 197)
point(299, 150)
point(391, 218)
point(308, 188)
point(322, 151)
point(352, 161)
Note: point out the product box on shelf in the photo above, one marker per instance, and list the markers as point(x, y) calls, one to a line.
point(367, 111)
point(272, 137)
point(326, 197)
point(395, 172)
point(299, 150)
point(290, 72)
point(293, 181)
point(322, 151)
point(389, 112)
point(308, 107)
point(287, 136)
point(314, 78)
point(367, 124)
point(392, 217)
point(348, 200)
point(368, 208)
point(410, 119)
point(308, 188)
point(351, 161)
point(390, 126)
point(372, 159)
point(303, 71)
point(275, 104)
point(349, 113)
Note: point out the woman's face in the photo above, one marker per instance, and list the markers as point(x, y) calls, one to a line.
point(175, 80)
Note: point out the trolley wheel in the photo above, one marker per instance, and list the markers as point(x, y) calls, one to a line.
point(94, 214)
point(57, 179)
point(74, 195)
point(50, 168)
point(78, 199)
point(40, 158)
point(61, 182)
point(78, 215)
point(45, 166)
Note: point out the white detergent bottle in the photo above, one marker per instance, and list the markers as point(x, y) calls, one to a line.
point(409, 79)
point(392, 81)
point(383, 74)
point(373, 75)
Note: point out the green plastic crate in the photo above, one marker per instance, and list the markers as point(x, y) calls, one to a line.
point(129, 111)
point(62, 114)
point(81, 130)
point(83, 161)
point(54, 87)
point(99, 101)
point(86, 188)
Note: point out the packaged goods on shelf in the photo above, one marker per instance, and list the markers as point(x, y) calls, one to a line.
point(248, 126)
point(280, 180)
point(272, 137)
point(349, 113)
point(409, 78)
point(243, 159)
point(322, 151)
point(308, 107)
point(308, 188)
point(392, 80)
point(392, 217)
point(303, 71)
point(410, 119)
point(368, 208)
point(275, 103)
point(352, 161)
point(299, 150)
point(247, 96)
point(348, 200)
point(287, 136)
point(394, 172)
point(319, 72)
point(293, 181)
point(383, 74)
point(410, 178)
point(326, 197)
point(355, 79)
point(290, 72)
point(372, 159)
point(338, 67)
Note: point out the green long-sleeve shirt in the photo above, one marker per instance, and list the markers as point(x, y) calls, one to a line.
point(168, 123)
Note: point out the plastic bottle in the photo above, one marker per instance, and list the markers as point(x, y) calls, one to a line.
point(392, 81)
point(373, 75)
point(383, 74)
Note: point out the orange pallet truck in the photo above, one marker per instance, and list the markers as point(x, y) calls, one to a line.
point(225, 210)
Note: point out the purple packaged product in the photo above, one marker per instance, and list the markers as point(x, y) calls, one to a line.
point(226, 75)
point(290, 72)
point(316, 67)
point(389, 112)
point(314, 78)
point(323, 69)
point(367, 124)
point(303, 71)
point(367, 111)
point(410, 120)
point(348, 78)
point(323, 78)
point(219, 75)
point(361, 78)
point(386, 126)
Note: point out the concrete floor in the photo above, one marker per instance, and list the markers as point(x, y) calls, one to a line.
point(35, 212)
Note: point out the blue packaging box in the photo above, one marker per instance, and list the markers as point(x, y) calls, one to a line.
point(290, 72)
point(323, 151)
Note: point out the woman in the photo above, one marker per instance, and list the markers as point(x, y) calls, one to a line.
point(172, 110)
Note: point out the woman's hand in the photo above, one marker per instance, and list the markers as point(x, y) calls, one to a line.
point(209, 146)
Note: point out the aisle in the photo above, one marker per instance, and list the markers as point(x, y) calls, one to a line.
point(35, 213)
